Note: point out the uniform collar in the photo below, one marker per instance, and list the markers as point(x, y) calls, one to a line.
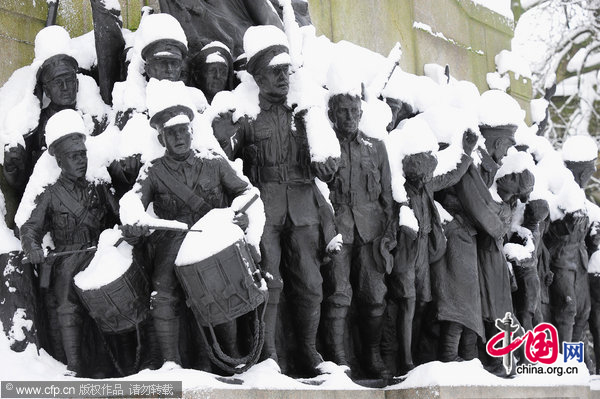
point(72, 184)
point(176, 164)
point(266, 104)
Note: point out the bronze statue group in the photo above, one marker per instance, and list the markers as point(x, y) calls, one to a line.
point(382, 254)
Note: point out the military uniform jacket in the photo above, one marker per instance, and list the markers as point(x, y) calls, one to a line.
point(565, 240)
point(75, 213)
point(276, 157)
point(361, 190)
point(208, 182)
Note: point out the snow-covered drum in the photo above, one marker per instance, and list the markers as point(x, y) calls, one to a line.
point(217, 272)
point(114, 288)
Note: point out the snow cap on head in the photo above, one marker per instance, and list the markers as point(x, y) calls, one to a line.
point(579, 149)
point(262, 44)
point(341, 79)
point(213, 52)
point(215, 58)
point(61, 126)
point(160, 35)
point(515, 162)
point(401, 87)
point(496, 108)
point(448, 123)
point(413, 137)
point(168, 103)
point(52, 40)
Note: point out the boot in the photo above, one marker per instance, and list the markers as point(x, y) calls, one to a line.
point(467, 348)
point(406, 311)
point(450, 339)
point(307, 319)
point(71, 337)
point(269, 351)
point(167, 334)
point(374, 365)
point(334, 339)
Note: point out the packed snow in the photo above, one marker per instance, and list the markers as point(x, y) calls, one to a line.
point(111, 260)
point(580, 149)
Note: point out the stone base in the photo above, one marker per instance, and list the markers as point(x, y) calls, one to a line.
point(461, 392)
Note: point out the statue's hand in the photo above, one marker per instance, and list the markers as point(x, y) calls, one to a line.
point(35, 256)
point(469, 141)
point(224, 128)
point(14, 158)
point(326, 170)
point(132, 233)
point(241, 219)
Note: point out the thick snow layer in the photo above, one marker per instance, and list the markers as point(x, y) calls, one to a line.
point(162, 94)
point(218, 233)
point(343, 80)
point(538, 109)
point(375, 118)
point(448, 158)
point(448, 123)
point(594, 263)
point(472, 373)
point(510, 61)
point(407, 218)
point(402, 86)
point(109, 263)
point(526, 135)
point(19, 107)
point(501, 7)
point(411, 137)
point(580, 149)
point(497, 108)
point(515, 162)
point(158, 26)
point(258, 38)
point(20, 324)
point(50, 41)
point(496, 81)
point(520, 252)
point(256, 212)
point(84, 50)
point(63, 123)
point(131, 211)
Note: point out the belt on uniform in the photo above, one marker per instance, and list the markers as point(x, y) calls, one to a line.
point(282, 173)
point(77, 238)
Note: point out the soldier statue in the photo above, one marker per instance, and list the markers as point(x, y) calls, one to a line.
point(211, 69)
point(74, 211)
point(183, 186)
point(274, 147)
point(361, 194)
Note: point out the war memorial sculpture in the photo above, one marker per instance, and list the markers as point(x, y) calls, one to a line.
point(215, 193)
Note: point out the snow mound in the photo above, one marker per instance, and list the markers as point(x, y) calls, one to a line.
point(515, 162)
point(496, 108)
point(218, 233)
point(157, 27)
point(580, 149)
point(448, 123)
point(594, 263)
point(258, 38)
point(63, 123)
point(109, 263)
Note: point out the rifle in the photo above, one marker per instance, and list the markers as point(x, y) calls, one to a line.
point(52, 12)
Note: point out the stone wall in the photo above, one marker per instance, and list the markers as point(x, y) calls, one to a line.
point(460, 33)
point(21, 20)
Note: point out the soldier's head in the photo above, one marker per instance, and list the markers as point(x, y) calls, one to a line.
point(211, 69)
point(498, 140)
point(174, 129)
point(419, 167)
point(58, 78)
point(268, 60)
point(163, 46)
point(65, 137)
point(580, 154)
point(345, 112)
point(400, 111)
point(514, 179)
